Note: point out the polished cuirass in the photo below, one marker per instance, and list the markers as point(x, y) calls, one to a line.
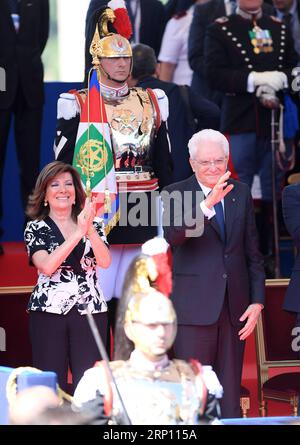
point(168, 396)
point(132, 121)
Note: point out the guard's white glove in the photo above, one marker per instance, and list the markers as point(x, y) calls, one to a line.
point(267, 96)
point(274, 79)
point(212, 382)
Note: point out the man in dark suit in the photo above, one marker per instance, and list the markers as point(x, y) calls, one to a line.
point(289, 12)
point(24, 27)
point(148, 19)
point(204, 14)
point(218, 274)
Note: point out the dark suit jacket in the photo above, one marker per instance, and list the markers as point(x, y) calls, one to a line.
point(204, 268)
point(291, 215)
point(153, 22)
point(20, 53)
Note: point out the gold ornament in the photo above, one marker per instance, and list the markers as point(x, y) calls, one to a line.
point(107, 44)
point(107, 201)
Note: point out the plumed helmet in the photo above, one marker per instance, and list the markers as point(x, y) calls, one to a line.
point(151, 307)
point(150, 285)
point(112, 28)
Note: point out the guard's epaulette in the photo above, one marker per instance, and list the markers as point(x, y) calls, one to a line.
point(221, 20)
point(179, 15)
point(80, 96)
point(276, 19)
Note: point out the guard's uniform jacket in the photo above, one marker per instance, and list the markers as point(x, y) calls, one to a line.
point(231, 54)
point(140, 145)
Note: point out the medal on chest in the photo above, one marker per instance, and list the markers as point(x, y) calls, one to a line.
point(261, 40)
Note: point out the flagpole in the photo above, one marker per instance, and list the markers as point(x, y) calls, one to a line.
point(88, 180)
point(107, 198)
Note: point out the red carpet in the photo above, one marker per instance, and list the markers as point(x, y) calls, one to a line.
point(15, 271)
point(14, 266)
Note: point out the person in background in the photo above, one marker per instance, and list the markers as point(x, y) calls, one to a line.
point(250, 58)
point(218, 273)
point(65, 242)
point(204, 15)
point(173, 55)
point(289, 12)
point(24, 28)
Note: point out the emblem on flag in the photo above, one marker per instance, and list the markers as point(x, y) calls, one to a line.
point(93, 155)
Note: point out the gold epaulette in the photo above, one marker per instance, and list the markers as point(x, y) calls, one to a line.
point(80, 96)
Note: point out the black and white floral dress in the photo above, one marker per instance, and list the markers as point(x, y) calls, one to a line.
point(75, 282)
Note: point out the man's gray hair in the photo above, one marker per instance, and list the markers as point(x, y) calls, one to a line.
point(204, 136)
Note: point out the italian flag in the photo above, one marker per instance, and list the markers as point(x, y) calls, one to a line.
point(93, 156)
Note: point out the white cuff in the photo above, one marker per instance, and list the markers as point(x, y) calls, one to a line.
point(209, 213)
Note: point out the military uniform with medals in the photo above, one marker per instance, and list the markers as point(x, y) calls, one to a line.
point(235, 47)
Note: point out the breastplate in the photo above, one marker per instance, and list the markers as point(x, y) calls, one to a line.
point(163, 397)
point(132, 121)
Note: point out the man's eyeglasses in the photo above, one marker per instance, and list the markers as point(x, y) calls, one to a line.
point(216, 163)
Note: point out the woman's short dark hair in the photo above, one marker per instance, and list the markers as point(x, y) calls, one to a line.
point(36, 208)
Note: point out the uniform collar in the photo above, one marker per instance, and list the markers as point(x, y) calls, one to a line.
point(140, 362)
point(113, 93)
point(249, 16)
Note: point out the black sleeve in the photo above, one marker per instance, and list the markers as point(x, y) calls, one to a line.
point(181, 218)
point(90, 25)
point(44, 28)
point(207, 112)
point(291, 211)
point(218, 71)
point(35, 238)
point(254, 257)
point(161, 157)
point(196, 40)
point(160, 24)
point(65, 140)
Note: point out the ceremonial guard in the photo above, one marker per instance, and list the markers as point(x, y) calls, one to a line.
point(250, 57)
point(154, 389)
point(137, 131)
